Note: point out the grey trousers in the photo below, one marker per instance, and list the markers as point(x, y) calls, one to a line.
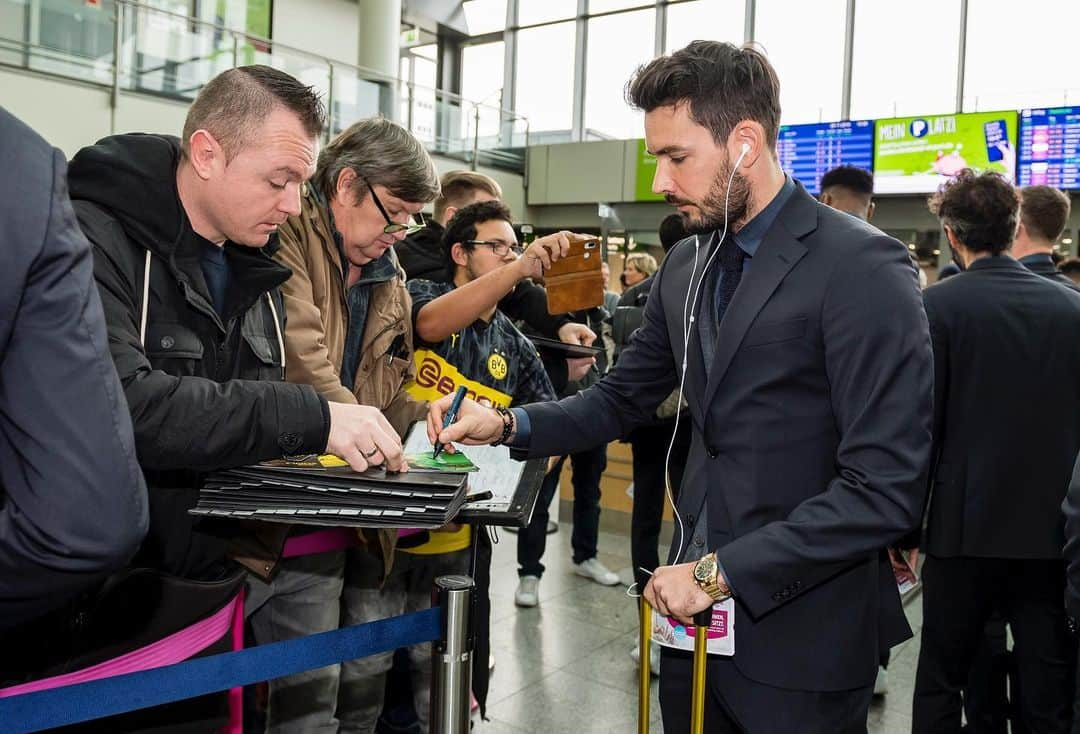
point(407, 589)
point(303, 598)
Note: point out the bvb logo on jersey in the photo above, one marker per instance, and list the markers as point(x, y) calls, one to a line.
point(497, 366)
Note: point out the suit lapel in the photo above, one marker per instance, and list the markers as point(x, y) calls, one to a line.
point(778, 253)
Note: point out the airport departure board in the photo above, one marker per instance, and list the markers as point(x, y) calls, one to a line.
point(1049, 150)
point(807, 152)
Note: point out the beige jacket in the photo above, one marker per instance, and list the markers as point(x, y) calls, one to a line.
point(317, 320)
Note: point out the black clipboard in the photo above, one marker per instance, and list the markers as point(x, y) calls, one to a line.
point(565, 350)
point(522, 505)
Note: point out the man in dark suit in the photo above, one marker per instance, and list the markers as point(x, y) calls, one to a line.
point(1006, 434)
point(1044, 212)
point(1072, 561)
point(808, 377)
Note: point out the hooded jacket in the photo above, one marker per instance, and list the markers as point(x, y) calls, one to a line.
point(205, 391)
point(421, 254)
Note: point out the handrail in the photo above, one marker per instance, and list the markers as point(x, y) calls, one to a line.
point(445, 121)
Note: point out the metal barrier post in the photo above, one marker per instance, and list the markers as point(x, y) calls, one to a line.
point(451, 656)
point(701, 641)
point(644, 641)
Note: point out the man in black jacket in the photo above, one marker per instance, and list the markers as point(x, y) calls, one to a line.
point(421, 254)
point(1044, 212)
point(1006, 434)
point(182, 232)
point(72, 498)
point(1072, 561)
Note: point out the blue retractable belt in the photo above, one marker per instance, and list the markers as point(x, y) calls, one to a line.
point(123, 693)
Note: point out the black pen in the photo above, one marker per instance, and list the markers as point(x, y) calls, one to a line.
point(451, 414)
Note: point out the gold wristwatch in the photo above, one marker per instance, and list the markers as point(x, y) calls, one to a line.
point(707, 576)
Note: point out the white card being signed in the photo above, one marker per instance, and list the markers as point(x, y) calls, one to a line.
point(672, 633)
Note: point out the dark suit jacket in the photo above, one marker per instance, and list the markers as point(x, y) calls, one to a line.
point(72, 496)
point(1044, 266)
point(1007, 411)
point(1072, 542)
point(811, 437)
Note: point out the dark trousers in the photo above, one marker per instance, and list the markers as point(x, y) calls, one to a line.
point(736, 704)
point(959, 596)
point(1076, 703)
point(992, 684)
point(586, 470)
point(649, 445)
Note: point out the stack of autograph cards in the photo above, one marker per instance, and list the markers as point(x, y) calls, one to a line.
point(323, 490)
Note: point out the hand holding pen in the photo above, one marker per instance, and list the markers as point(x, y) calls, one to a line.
point(450, 417)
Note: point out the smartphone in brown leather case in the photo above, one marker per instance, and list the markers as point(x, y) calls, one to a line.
point(574, 282)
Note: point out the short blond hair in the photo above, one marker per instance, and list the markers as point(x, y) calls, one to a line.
point(642, 262)
point(459, 187)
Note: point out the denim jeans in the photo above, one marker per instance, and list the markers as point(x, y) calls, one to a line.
point(586, 470)
point(407, 589)
point(303, 598)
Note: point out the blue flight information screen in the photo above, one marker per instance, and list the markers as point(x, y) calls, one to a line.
point(807, 152)
point(1049, 153)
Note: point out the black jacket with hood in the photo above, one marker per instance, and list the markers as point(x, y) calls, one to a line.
point(205, 392)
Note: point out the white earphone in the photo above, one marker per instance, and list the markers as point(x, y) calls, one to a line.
point(689, 306)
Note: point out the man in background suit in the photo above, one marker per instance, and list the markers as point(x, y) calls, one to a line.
point(1006, 434)
point(811, 412)
point(1044, 212)
point(1072, 561)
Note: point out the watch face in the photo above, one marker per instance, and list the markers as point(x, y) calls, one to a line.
point(705, 570)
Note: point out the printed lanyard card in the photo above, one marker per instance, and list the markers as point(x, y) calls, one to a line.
point(672, 633)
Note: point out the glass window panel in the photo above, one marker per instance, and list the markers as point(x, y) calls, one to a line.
point(541, 11)
point(1040, 71)
point(428, 51)
point(618, 44)
point(482, 73)
point(423, 103)
point(485, 16)
point(13, 27)
point(544, 83)
point(805, 44)
point(887, 79)
point(603, 6)
point(482, 82)
point(706, 20)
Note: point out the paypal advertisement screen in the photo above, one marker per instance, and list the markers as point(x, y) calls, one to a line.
point(807, 152)
point(915, 155)
point(1049, 150)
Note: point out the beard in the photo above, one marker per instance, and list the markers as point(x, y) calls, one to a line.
point(711, 207)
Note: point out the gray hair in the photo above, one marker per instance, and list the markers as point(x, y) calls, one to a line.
point(379, 152)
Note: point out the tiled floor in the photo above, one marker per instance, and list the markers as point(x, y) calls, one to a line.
point(564, 666)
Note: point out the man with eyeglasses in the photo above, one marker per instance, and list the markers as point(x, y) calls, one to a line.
point(462, 339)
point(349, 335)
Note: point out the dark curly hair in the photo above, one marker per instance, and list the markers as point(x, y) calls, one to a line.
point(463, 227)
point(981, 209)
